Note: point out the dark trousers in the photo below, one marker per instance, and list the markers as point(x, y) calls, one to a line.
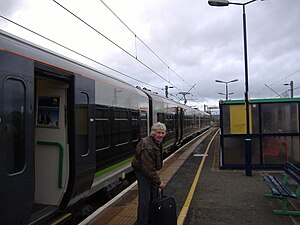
point(147, 192)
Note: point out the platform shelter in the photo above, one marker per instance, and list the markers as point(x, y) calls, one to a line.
point(274, 132)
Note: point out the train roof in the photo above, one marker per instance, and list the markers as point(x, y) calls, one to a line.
point(163, 99)
point(17, 45)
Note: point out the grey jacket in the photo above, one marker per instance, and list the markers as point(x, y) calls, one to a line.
point(148, 159)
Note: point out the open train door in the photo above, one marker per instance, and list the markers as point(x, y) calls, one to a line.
point(82, 156)
point(16, 138)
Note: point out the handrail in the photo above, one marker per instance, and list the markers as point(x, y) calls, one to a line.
point(61, 155)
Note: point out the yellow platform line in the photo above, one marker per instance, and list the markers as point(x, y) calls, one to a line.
point(189, 198)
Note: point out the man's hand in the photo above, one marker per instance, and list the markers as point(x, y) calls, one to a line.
point(162, 185)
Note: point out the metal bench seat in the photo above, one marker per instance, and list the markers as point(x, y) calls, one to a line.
point(280, 189)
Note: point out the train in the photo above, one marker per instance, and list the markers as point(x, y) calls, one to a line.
point(68, 130)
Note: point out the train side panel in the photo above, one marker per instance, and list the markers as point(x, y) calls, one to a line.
point(165, 111)
point(122, 119)
point(16, 138)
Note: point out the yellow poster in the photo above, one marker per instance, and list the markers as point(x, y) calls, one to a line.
point(238, 119)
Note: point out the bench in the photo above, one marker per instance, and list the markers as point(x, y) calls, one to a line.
point(280, 189)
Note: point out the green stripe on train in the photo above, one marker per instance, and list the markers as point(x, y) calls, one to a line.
point(113, 167)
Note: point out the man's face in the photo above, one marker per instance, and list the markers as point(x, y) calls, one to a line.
point(159, 135)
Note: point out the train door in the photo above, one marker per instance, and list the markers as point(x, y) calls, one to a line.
point(84, 154)
point(16, 138)
point(176, 126)
point(51, 140)
point(180, 124)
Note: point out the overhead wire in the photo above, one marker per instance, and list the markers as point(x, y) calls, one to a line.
point(145, 65)
point(71, 50)
point(283, 93)
point(287, 76)
point(278, 81)
point(147, 46)
point(119, 72)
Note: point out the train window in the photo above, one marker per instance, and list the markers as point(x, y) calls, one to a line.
point(102, 112)
point(161, 117)
point(143, 124)
point(13, 122)
point(121, 127)
point(186, 122)
point(195, 121)
point(174, 122)
point(170, 122)
point(121, 114)
point(135, 128)
point(102, 128)
point(82, 123)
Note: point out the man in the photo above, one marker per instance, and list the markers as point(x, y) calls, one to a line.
point(147, 160)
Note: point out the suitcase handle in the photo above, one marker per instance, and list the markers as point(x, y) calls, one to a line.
point(160, 192)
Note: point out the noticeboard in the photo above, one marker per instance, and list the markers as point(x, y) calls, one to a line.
point(48, 111)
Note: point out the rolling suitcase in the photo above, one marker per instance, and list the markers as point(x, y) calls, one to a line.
point(163, 210)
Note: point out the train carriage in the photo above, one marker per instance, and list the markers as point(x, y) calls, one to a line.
point(165, 111)
point(182, 122)
point(68, 130)
point(61, 124)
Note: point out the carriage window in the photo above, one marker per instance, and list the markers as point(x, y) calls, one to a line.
point(121, 127)
point(161, 117)
point(135, 129)
point(143, 124)
point(13, 124)
point(102, 128)
point(82, 123)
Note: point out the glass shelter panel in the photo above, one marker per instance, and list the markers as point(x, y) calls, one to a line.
point(255, 148)
point(274, 131)
point(293, 146)
point(226, 119)
point(280, 118)
point(234, 151)
point(274, 149)
point(255, 118)
point(234, 119)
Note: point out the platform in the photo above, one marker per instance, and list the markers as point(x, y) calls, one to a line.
point(216, 197)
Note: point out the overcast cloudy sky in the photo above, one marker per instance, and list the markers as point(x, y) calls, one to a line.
point(196, 43)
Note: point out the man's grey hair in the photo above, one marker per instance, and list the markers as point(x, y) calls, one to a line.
point(157, 126)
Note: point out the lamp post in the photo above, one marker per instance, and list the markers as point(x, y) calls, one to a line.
point(292, 88)
point(226, 86)
point(231, 93)
point(248, 156)
point(166, 91)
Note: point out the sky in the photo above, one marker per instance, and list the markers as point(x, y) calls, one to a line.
point(186, 45)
